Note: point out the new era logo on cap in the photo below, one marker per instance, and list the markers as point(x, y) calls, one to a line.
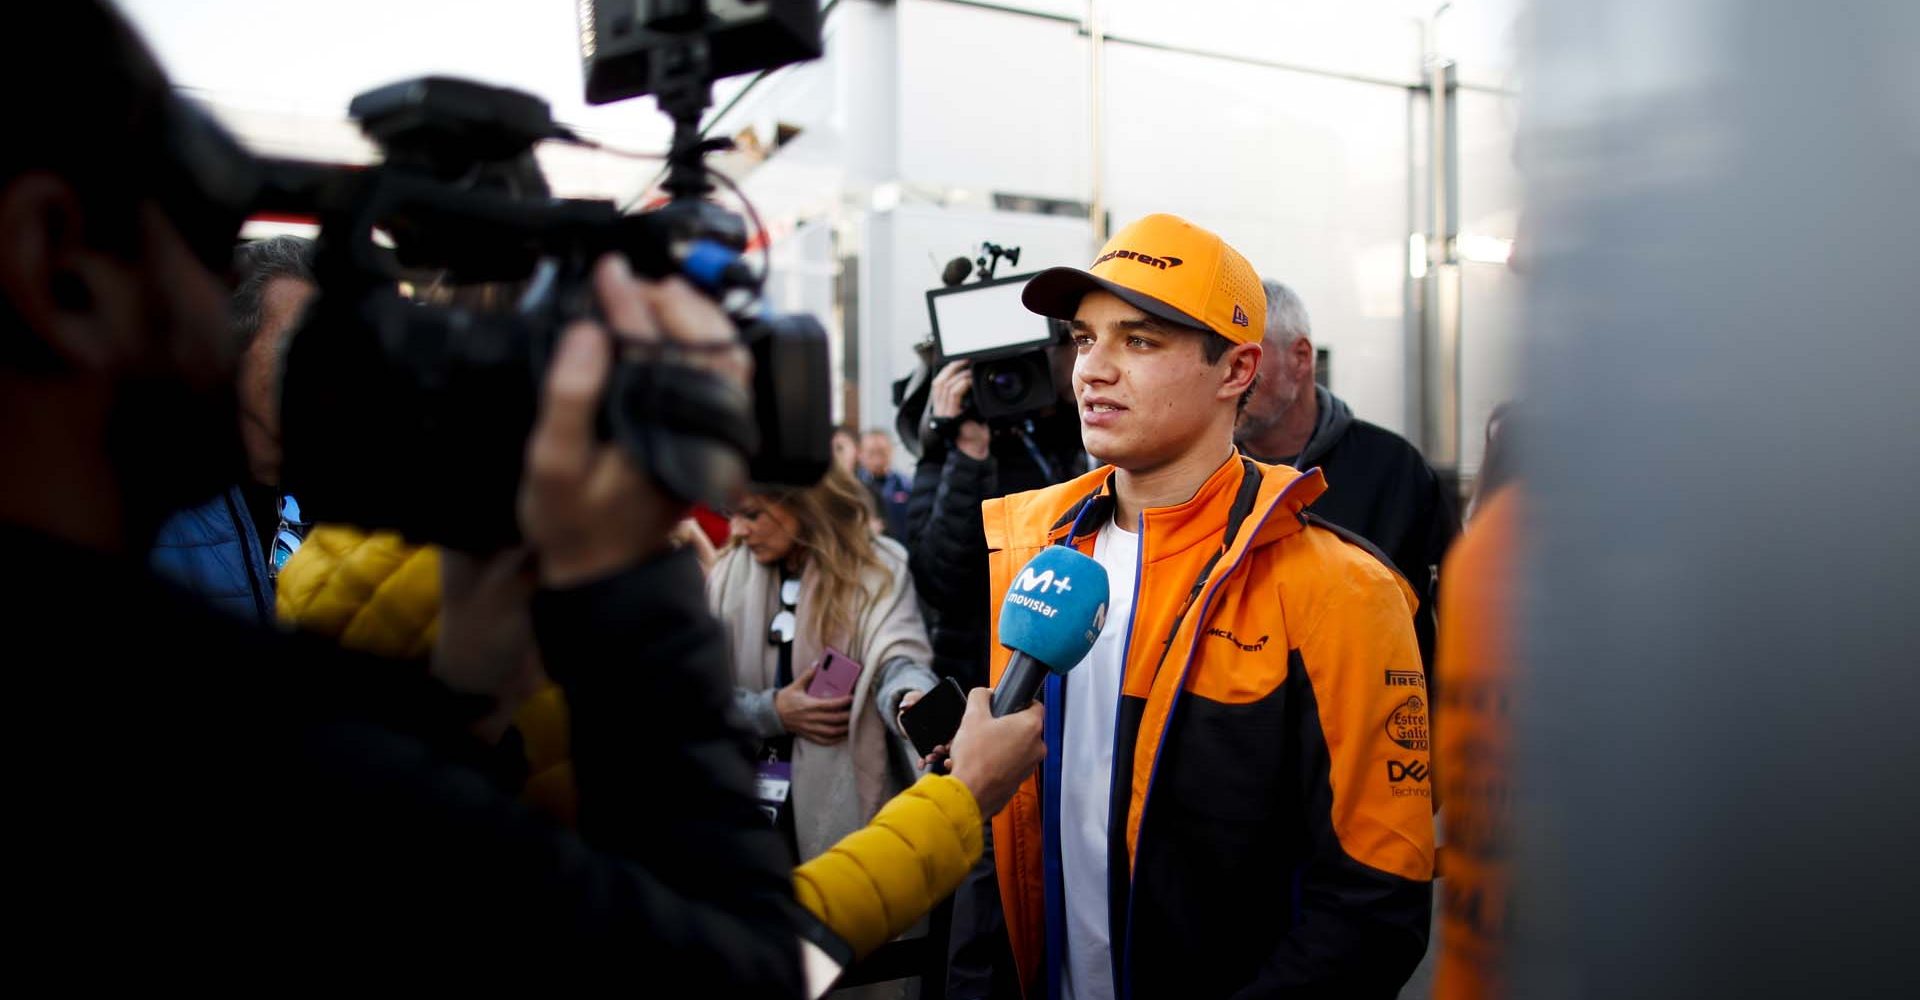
point(1239, 315)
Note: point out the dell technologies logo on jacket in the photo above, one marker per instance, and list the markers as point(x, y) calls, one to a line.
point(1408, 777)
point(1145, 258)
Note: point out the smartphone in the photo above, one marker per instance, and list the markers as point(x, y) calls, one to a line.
point(934, 719)
point(836, 677)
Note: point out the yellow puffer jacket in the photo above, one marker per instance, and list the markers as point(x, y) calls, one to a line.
point(377, 594)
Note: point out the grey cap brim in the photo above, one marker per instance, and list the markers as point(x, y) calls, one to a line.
point(1057, 292)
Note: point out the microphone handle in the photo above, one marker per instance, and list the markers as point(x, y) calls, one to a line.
point(1018, 685)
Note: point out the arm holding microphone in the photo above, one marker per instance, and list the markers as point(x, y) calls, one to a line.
point(877, 881)
point(1050, 618)
point(1052, 615)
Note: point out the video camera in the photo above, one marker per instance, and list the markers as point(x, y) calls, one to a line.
point(403, 414)
point(985, 323)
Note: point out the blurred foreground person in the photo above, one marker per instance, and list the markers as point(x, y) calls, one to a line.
point(307, 808)
point(1472, 762)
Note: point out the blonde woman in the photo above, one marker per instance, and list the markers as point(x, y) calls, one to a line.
point(802, 575)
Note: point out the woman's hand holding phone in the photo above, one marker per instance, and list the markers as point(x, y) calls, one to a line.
point(818, 720)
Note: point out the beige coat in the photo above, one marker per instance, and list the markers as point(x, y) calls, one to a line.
point(836, 789)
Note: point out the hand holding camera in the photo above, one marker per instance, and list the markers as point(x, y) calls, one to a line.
point(584, 503)
point(950, 390)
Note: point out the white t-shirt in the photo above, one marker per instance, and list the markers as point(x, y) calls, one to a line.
point(1086, 768)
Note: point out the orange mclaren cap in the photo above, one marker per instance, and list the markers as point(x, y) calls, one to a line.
point(1167, 267)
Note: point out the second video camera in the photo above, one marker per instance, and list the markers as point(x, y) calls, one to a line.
point(985, 323)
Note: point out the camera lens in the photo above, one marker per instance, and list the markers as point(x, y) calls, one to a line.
point(1008, 385)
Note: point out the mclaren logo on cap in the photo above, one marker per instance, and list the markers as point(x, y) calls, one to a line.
point(1160, 262)
point(1239, 316)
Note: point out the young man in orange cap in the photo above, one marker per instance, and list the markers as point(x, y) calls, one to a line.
point(1235, 797)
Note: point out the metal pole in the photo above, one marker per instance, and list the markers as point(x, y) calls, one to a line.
point(1440, 356)
point(1096, 104)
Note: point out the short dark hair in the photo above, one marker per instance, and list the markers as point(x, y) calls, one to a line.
point(257, 264)
point(110, 112)
point(1213, 347)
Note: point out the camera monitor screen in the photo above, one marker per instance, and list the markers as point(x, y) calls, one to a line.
point(985, 319)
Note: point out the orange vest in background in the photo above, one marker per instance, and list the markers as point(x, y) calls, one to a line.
point(1473, 671)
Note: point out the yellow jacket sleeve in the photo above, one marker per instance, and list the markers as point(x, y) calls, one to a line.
point(873, 884)
point(375, 593)
point(369, 592)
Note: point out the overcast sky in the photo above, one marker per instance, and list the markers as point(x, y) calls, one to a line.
point(312, 56)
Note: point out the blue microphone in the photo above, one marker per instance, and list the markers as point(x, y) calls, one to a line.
point(1053, 612)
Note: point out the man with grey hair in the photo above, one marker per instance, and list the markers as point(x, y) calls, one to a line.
point(276, 283)
point(1378, 485)
point(229, 550)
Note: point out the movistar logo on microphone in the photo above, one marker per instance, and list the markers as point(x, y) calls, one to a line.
point(1028, 581)
point(1055, 607)
point(1033, 604)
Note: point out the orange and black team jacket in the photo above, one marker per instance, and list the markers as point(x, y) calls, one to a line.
point(1271, 824)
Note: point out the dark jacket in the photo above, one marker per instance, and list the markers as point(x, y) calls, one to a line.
point(947, 553)
point(1271, 829)
point(210, 800)
point(1380, 488)
point(213, 551)
point(889, 500)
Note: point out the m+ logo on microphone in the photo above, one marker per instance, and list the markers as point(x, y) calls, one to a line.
point(1030, 581)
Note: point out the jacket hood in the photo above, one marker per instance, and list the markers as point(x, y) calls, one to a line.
point(1335, 416)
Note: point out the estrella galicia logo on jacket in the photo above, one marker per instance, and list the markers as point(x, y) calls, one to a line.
point(1145, 258)
point(1409, 778)
point(1407, 725)
point(1252, 647)
point(1406, 679)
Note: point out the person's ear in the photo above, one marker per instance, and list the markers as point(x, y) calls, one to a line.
point(61, 289)
point(1243, 366)
point(1300, 357)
